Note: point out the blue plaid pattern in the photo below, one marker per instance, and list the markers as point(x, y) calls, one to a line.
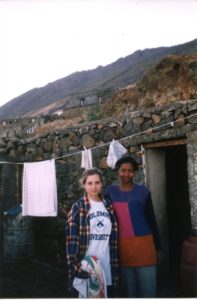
point(77, 238)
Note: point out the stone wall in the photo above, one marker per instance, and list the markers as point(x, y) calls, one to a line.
point(192, 176)
point(20, 127)
point(26, 127)
point(133, 129)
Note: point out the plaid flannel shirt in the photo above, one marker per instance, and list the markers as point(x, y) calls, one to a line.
point(77, 238)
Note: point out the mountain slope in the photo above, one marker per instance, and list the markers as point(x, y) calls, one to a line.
point(64, 92)
point(173, 79)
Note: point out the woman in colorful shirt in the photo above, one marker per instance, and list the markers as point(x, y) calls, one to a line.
point(138, 240)
point(91, 231)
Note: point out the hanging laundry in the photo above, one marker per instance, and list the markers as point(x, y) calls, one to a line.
point(116, 150)
point(39, 196)
point(14, 211)
point(95, 285)
point(86, 160)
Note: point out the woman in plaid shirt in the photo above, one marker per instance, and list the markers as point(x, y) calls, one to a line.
point(91, 230)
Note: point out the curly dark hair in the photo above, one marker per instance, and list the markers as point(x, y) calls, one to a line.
point(126, 158)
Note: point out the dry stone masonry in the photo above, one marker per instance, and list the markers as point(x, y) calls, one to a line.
point(136, 129)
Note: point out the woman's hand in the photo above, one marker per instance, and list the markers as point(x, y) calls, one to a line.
point(82, 274)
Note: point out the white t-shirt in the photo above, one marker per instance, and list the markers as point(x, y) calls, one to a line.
point(100, 230)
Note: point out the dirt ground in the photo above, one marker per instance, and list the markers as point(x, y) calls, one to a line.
point(36, 279)
point(32, 279)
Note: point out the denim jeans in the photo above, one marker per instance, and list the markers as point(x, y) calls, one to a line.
point(138, 282)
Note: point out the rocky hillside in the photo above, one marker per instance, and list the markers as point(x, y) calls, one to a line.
point(173, 79)
point(105, 81)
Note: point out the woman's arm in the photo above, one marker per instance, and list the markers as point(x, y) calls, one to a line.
point(72, 242)
point(149, 211)
point(107, 196)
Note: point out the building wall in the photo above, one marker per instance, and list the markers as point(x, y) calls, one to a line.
point(134, 129)
point(11, 128)
point(156, 182)
point(192, 176)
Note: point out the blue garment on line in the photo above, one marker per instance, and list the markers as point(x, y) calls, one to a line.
point(14, 211)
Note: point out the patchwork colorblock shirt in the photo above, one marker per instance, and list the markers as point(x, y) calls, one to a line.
point(78, 237)
point(138, 233)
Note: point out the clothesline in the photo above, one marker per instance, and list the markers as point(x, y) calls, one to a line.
point(108, 143)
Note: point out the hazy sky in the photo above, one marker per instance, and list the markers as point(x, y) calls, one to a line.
point(44, 40)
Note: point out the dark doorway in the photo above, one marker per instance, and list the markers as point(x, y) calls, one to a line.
point(166, 177)
point(178, 206)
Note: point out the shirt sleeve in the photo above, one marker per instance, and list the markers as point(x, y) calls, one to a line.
point(107, 195)
point(72, 240)
point(149, 211)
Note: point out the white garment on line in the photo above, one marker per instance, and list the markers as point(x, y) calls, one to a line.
point(116, 150)
point(39, 195)
point(86, 160)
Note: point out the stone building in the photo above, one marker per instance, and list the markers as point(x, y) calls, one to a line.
point(164, 142)
point(11, 128)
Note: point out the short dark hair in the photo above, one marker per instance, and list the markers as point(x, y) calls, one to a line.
point(126, 159)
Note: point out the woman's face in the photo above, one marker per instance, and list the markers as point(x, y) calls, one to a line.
point(126, 173)
point(93, 186)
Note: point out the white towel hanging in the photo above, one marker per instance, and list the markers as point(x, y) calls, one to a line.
point(116, 150)
point(39, 195)
point(86, 159)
